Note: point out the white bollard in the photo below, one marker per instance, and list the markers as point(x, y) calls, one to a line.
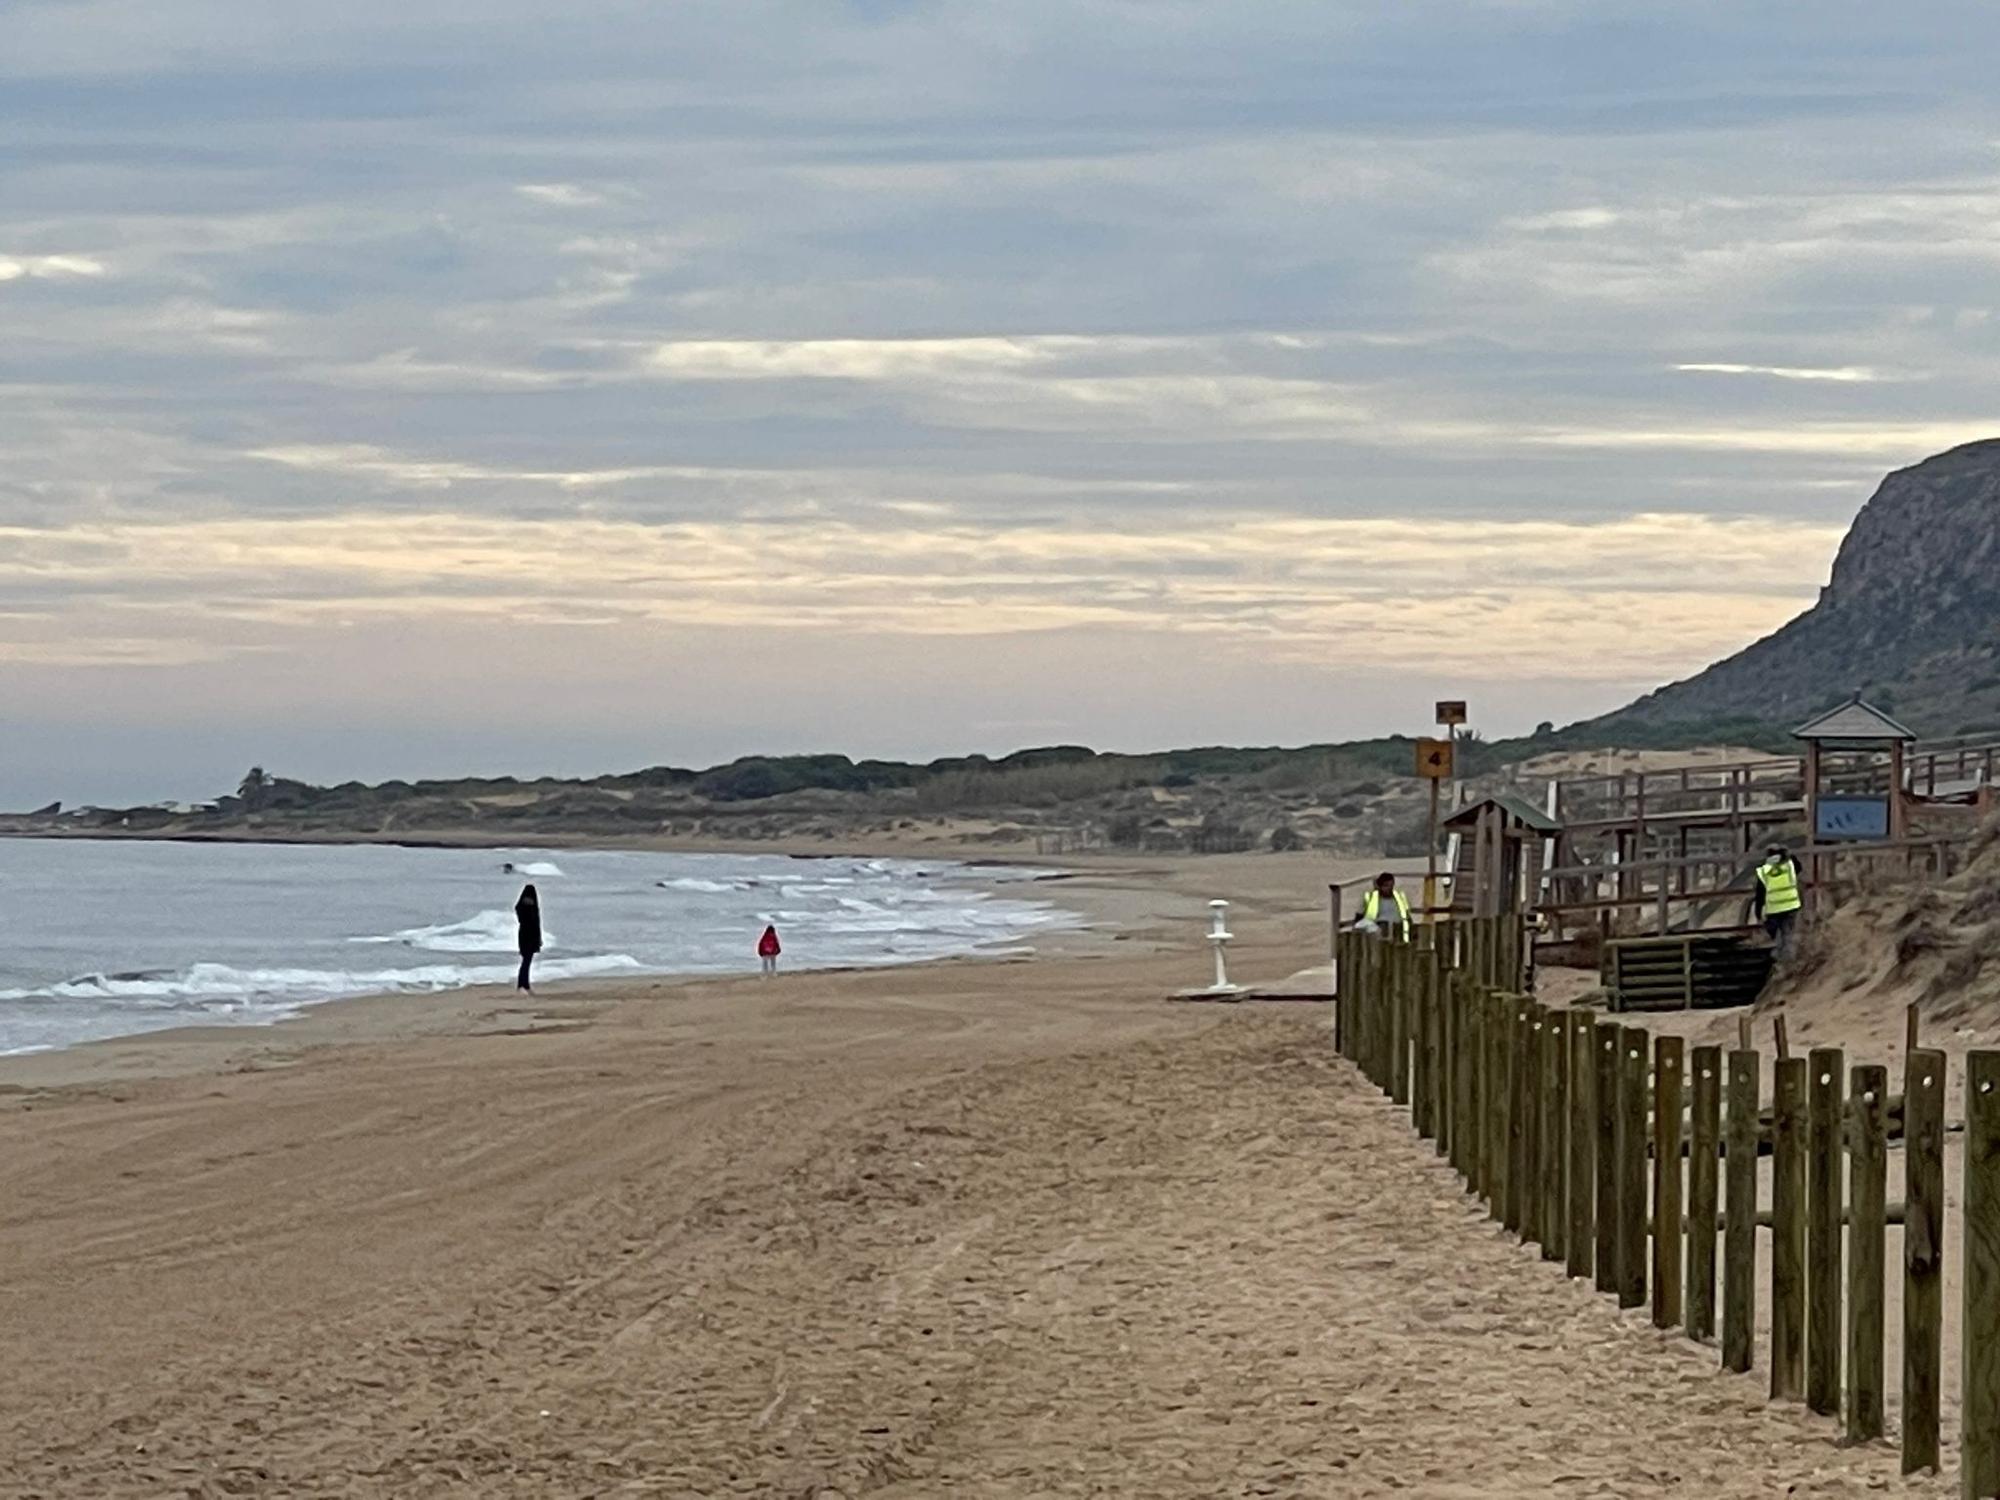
point(1219, 935)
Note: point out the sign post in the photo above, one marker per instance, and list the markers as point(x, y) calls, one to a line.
point(1450, 715)
point(1434, 759)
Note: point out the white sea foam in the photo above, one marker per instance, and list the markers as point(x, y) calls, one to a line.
point(110, 941)
point(201, 984)
point(541, 869)
point(495, 930)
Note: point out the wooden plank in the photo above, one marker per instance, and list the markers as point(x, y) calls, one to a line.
point(1422, 1046)
point(1445, 1077)
point(1465, 1094)
point(1868, 1192)
point(1398, 990)
point(1376, 1008)
point(1528, 1098)
point(1344, 980)
point(1923, 1255)
point(1788, 1233)
point(1580, 1234)
point(1499, 1048)
point(1358, 963)
point(1633, 1065)
point(1704, 1170)
point(1554, 1094)
point(1979, 1438)
point(1669, 1069)
point(1605, 1061)
point(1825, 1199)
point(1514, 1080)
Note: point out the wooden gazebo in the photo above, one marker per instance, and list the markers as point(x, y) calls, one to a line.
point(1854, 774)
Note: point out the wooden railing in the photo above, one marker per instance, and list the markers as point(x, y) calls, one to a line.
point(1658, 886)
point(1743, 788)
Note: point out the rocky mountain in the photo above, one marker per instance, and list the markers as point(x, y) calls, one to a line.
point(1910, 618)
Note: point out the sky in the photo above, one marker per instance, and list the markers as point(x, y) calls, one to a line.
point(431, 388)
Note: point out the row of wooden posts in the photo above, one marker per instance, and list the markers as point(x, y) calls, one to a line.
point(1573, 1129)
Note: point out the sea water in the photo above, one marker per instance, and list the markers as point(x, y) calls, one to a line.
point(109, 938)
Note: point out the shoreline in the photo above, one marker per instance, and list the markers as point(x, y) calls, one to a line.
point(1129, 907)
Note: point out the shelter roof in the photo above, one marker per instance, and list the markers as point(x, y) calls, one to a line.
point(1518, 811)
point(1856, 719)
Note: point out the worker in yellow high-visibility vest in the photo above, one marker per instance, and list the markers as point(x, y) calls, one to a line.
point(1387, 909)
point(1778, 898)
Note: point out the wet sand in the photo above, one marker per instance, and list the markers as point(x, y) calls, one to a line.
point(977, 1228)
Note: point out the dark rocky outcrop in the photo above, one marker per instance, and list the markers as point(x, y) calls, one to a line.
point(1910, 618)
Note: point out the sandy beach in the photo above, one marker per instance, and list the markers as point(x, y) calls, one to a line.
point(1001, 1228)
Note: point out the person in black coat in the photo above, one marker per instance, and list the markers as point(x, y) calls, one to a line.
point(528, 912)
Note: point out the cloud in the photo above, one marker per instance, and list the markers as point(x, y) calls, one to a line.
point(1843, 373)
point(559, 194)
point(1276, 584)
point(1283, 327)
point(48, 267)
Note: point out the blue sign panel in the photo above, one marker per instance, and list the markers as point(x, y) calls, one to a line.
point(1851, 818)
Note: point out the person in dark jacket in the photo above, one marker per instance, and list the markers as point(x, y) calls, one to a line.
point(528, 912)
point(768, 949)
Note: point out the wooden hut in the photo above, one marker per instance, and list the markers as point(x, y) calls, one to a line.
point(1501, 843)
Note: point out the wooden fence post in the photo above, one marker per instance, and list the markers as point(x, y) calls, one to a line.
point(1357, 1037)
point(1704, 1168)
point(1422, 1045)
point(1979, 1438)
point(1523, 1061)
point(1739, 1232)
point(1441, 1034)
point(1555, 1114)
point(1923, 1255)
point(1372, 1011)
point(1398, 955)
point(1633, 1199)
point(1528, 1101)
point(1825, 1196)
point(1607, 1059)
point(1669, 1064)
point(1788, 1230)
point(1465, 1113)
point(1381, 1011)
point(1580, 1235)
point(1351, 997)
point(1499, 1048)
point(1868, 1190)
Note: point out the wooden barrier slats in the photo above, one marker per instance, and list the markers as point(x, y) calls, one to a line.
point(1704, 1169)
point(1669, 1066)
point(1554, 1093)
point(1868, 1193)
point(1499, 1046)
point(1825, 1195)
point(1788, 1232)
point(1606, 1057)
point(1517, 1074)
point(1923, 1255)
point(1574, 1129)
point(1631, 1157)
point(1580, 1235)
point(1739, 1235)
point(1979, 1438)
